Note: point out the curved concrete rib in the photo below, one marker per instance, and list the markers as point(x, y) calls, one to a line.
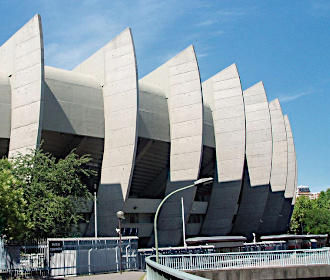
point(278, 173)
point(114, 66)
point(179, 80)
point(296, 185)
point(258, 135)
point(289, 193)
point(291, 178)
point(224, 93)
point(259, 155)
point(22, 58)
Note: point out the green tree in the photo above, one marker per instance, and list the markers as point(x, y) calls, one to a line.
point(53, 191)
point(311, 216)
point(13, 222)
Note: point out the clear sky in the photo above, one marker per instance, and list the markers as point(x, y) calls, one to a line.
point(284, 43)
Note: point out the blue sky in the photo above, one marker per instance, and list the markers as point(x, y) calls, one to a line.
point(286, 44)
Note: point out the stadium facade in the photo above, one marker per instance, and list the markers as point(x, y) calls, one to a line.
point(152, 135)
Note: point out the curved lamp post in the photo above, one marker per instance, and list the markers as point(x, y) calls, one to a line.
point(196, 183)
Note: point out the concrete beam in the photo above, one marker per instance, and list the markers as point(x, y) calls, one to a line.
point(22, 59)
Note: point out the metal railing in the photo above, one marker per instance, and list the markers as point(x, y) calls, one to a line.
point(156, 271)
point(262, 259)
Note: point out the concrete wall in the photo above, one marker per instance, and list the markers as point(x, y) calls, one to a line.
point(153, 114)
point(73, 103)
point(224, 94)
point(22, 59)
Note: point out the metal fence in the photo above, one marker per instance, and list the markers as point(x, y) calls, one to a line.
point(78, 256)
point(26, 259)
point(68, 256)
point(157, 271)
point(246, 259)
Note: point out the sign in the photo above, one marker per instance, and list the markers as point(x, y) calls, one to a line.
point(55, 246)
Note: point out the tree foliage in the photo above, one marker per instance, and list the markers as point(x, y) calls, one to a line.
point(311, 216)
point(46, 195)
point(12, 220)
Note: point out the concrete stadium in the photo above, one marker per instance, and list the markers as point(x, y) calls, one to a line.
point(150, 136)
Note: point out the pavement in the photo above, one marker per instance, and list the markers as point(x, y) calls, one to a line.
point(129, 275)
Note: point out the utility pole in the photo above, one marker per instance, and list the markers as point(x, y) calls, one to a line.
point(183, 224)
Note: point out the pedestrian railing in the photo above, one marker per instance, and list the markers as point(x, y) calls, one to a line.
point(247, 259)
point(156, 271)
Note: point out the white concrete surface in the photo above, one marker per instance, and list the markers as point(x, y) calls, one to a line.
point(114, 67)
point(279, 169)
point(77, 102)
point(258, 135)
point(22, 59)
point(5, 106)
point(291, 178)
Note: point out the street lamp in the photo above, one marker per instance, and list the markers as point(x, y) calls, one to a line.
point(120, 216)
point(196, 183)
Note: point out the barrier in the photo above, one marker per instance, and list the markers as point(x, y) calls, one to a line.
point(247, 259)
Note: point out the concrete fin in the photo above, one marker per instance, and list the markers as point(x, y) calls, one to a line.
point(5, 104)
point(291, 178)
point(258, 135)
point(114, 67)
point(22, 59)
point(279, 169)
point(178, 80)
point(224, 94)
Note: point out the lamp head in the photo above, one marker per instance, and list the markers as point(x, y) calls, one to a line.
point(203, 181)
point(121, 215)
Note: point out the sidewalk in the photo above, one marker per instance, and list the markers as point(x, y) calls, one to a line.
point(130, 275)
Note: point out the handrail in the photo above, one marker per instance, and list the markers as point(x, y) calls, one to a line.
point(254, 252)
point(260, 259)
point(159, 271)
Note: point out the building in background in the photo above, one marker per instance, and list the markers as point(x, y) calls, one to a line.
point(305, 191)
point(149, 136)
